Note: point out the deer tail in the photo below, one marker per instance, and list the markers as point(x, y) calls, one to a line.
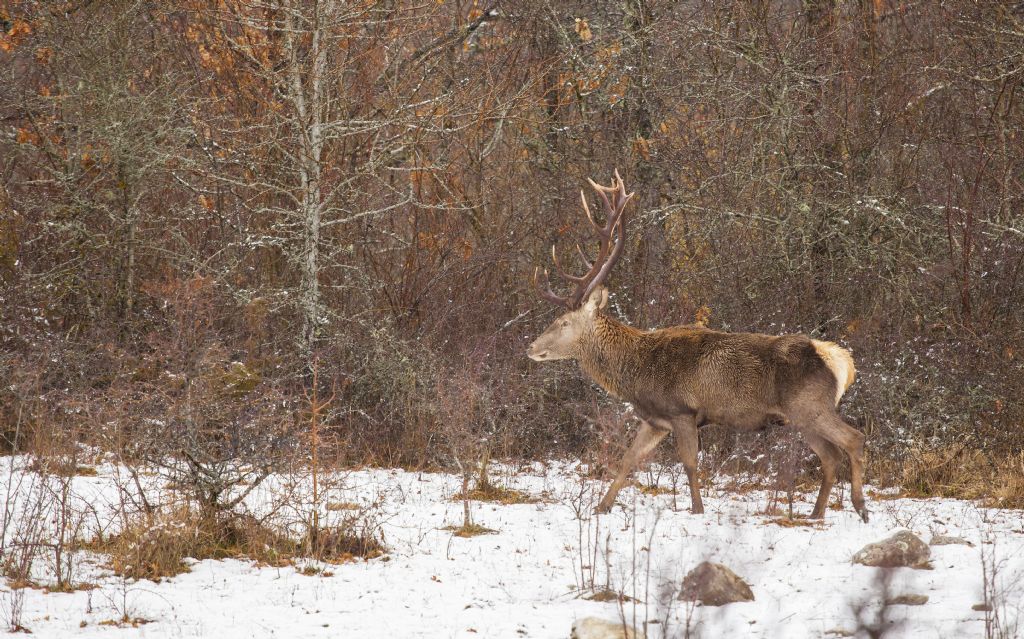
point(840, 362)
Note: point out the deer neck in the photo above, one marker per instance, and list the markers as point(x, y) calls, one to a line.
point(608, 354)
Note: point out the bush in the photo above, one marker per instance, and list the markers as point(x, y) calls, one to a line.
point(155, 546)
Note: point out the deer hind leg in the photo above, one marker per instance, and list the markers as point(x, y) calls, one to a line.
point(646, 440)
point(829, 425)
point(685, 431)
point(830, 456)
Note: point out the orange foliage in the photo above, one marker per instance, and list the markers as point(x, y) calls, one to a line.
point(24, 136)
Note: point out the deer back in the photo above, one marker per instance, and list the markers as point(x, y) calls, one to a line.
point(738, 378)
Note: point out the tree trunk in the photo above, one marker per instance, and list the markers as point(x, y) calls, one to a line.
point(306, 88)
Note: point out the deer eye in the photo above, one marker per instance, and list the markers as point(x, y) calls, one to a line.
point(565, 323)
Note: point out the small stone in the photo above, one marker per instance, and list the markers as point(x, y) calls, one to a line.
point(946, 540)
point(596, 628)
point(714, 585)
point(908, 600)
point(904, 549)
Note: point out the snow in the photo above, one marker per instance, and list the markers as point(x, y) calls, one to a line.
point(527, 579)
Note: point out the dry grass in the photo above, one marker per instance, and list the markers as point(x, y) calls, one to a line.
point(18, 582)
point(154, 546)
point(962, 473)
point(796, 522)
point(909, 599)
point(345, 542)
point(654, 490)
point(60, 466)
point(743, 483)
point(1009, 494)
point(594, 470)
point(312, 570)
point(70, 587)
point(876, 495)
point(125, 622)
point(486, 491)
point(471, 530)
point(606, 595)
point(335, 506)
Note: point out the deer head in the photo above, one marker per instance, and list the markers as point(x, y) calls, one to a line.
point(560, 340)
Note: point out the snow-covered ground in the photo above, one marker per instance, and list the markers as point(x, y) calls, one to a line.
point(529, 578)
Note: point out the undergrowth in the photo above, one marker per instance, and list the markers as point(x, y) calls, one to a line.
point(958, 472)
point(155, 546)
point(356, 536)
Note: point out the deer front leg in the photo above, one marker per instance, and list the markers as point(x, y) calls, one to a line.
point(646, 440)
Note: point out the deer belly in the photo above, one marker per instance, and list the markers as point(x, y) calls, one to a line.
point(746, 420)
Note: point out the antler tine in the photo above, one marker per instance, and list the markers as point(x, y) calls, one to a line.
point(586, 208)
point(609, 260)
point(583, 257)
point(620, 190)
point(614, 206)
point(612, 244)
point(561, 271)
point(546, 292)
point(609, 223)
point(601, 192)
point(612, 236)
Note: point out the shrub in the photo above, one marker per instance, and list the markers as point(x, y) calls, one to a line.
point(155, 546)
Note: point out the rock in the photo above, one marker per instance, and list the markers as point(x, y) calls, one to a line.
point(714, 585)
point(982, 607)
point(596, 628)
point(904, 549)
point(945, 540)
point(907, 600)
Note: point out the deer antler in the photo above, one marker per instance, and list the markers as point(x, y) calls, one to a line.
point(612, 236)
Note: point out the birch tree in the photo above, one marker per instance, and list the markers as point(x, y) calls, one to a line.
point(307, 93)
point(344, 96)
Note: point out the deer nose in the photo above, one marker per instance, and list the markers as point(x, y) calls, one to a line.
point(534, 354)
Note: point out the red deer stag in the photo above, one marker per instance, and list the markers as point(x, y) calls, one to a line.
point(679, 379)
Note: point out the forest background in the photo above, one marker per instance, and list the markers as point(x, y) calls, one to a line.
point(210, 210)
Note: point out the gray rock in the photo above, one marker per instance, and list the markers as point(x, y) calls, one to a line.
point(596, 628)
point(946, 540)
point(902, 550)
point(714, 585)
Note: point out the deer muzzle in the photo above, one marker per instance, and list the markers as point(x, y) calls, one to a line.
point(537, 354)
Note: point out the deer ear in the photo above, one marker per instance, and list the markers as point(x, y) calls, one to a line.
point(598, 300)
